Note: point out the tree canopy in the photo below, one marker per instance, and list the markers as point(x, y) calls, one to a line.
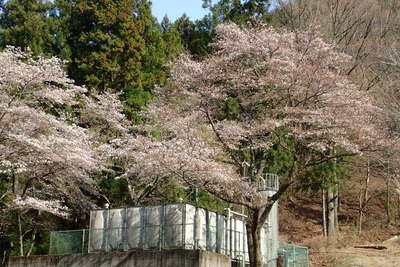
point(25, 25)
point(51, 135)
point(284, 85)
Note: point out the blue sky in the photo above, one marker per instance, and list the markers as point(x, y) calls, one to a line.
point(175, 8)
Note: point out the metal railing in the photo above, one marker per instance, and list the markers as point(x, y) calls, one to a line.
point(268, 182)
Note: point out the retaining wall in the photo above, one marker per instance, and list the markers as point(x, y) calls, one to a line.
point(143, 258)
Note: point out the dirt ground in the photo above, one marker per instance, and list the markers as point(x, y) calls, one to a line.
point(367, 259)
point(300, 222)
point(359, 257)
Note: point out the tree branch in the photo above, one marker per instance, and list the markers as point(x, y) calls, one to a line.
point(271, 201)
point(329, 158)
point(217, 134)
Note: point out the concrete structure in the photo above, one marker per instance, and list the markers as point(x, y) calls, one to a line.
point(138, 258)
point(179, 235)
point(183, 226)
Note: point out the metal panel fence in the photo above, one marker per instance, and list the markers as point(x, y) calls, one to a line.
point(293, 255)
point(166, 227)
point(159, 227)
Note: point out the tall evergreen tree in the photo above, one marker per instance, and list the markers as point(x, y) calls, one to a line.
point(1, 26)
point(239, 11)
point(171, 37)
point(196, 36)
point(119, 45)
point(24, 24)
point(60, 23)
point(161, 44)
point(107, 44)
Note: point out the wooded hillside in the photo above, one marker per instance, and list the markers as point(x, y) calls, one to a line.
point(101, 103)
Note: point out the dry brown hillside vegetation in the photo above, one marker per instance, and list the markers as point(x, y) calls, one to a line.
point(301, 223)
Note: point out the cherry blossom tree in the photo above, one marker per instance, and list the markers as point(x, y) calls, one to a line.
point(260, 87)
point(52, 136)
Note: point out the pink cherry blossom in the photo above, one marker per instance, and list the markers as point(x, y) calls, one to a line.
point(277, 80)
point(52, 135)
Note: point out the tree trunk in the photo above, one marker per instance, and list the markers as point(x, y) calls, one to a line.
point(4, 259)
point(336, 207)
point(331, 213)
point(335, 197)
point(33, 242)
point(336, 201)
point(363, 198)
point(254, 224)
point(21, 236)
point(324, 212)
point(360, 210)
point(131, 191)
point(293, 170)
point(387, 195)
point(254, 242)
point(398, 208)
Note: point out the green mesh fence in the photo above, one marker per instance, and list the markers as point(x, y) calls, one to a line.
point(293, 255)
point(69, 242)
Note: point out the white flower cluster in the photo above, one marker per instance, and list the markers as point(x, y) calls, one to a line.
point(48, 150)
point(258, 84)
point(51, 206)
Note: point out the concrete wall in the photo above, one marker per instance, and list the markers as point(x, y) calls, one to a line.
point(167, 258)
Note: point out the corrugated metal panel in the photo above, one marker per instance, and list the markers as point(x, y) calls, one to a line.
point(116, 229)
point(190, 227)
point(212, 231)
point(221, 234)
point(270, 234)
point(96, 234)
point(239, 238)
point(229, 237)
point(152, 228)
point(264, 244)
point(274, 219)
point(201, 229)
point(134, 219)
point(173, 226)
point(246, 250)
